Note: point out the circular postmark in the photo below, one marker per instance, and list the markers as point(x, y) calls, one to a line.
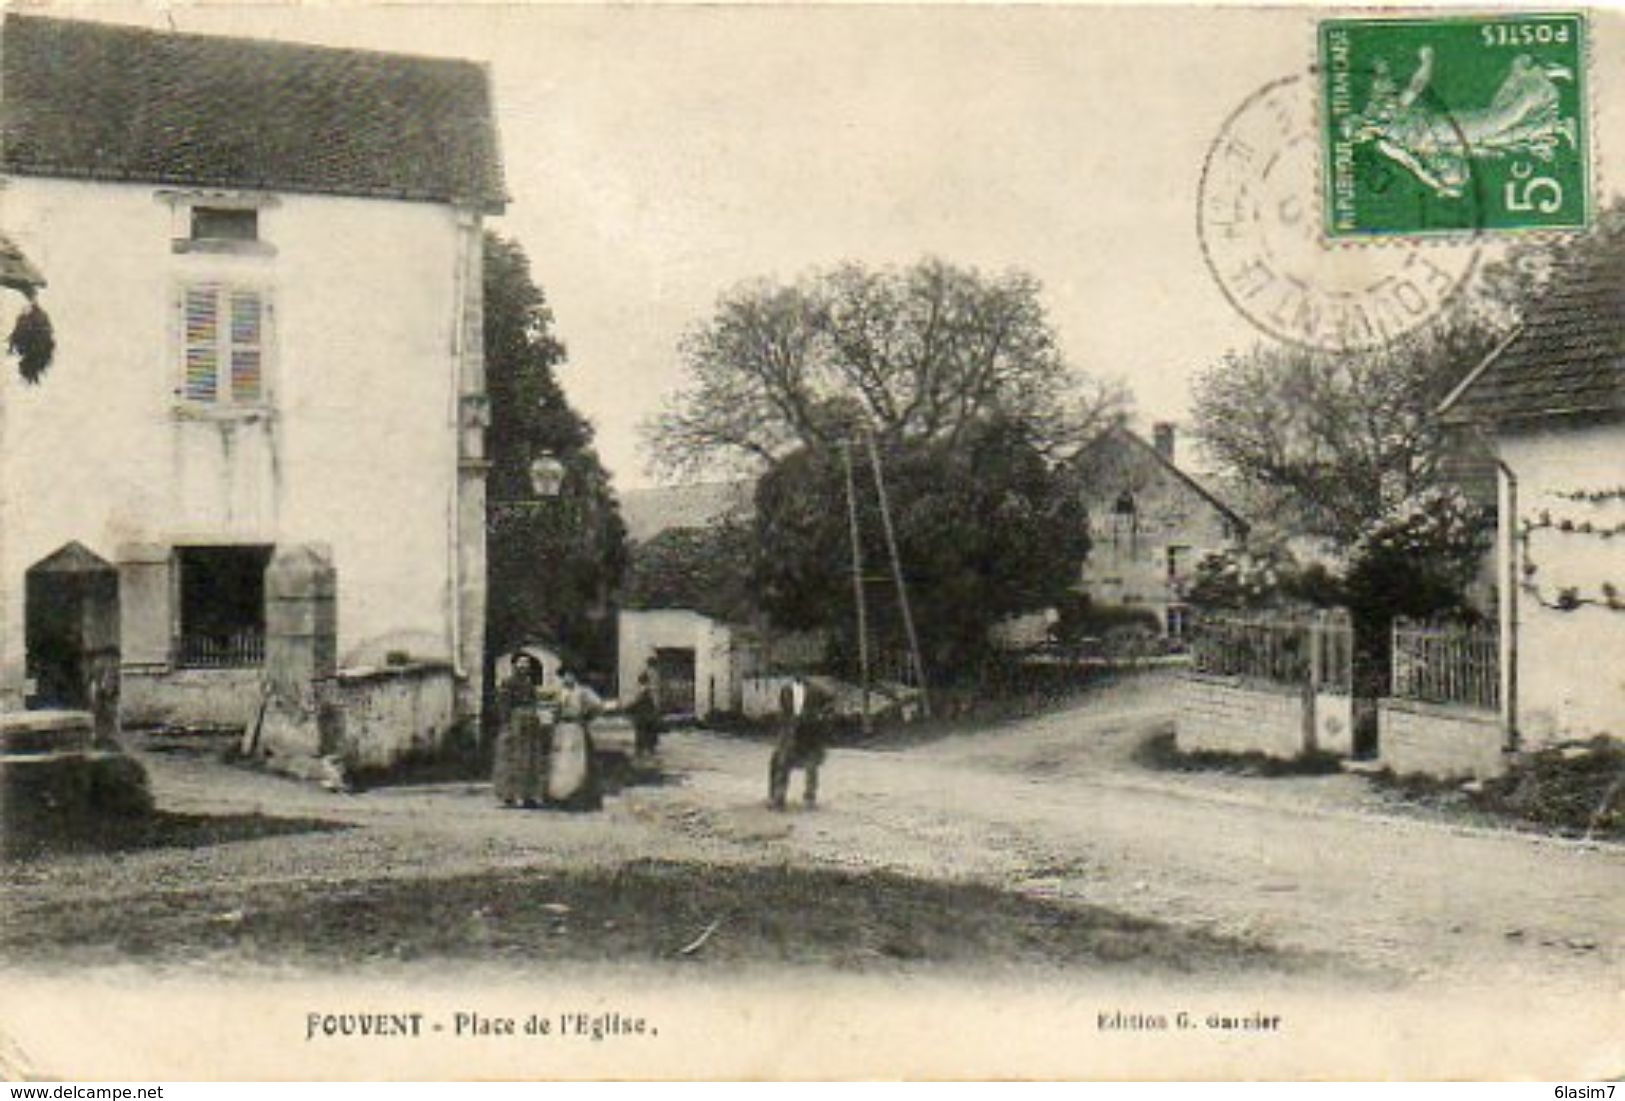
point(1259, 224)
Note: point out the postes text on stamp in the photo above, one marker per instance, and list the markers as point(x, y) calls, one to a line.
point(1454, 124)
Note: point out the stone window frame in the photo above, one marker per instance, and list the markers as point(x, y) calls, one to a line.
point(184, 204)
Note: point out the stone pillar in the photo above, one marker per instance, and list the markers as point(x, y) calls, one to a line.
point(145, 606)
point(301, 649)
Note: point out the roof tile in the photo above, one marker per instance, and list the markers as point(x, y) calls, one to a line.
point(108, 102)
point(1568, 358)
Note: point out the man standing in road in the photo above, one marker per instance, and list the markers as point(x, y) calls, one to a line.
point(801, 741)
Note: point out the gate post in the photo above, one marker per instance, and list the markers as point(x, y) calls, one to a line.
point(1316, 676)
point(301, 647)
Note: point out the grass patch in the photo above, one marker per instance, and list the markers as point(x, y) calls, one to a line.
point(1574, 791)
point(1161, 753)
point(159, 830)
point(646, 910)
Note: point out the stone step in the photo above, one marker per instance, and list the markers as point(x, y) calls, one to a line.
point(35, 732)
point(64, 795)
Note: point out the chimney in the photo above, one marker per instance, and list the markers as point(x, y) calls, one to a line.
point(1162, 438)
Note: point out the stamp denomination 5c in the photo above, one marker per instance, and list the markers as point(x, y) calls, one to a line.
point(1457, 124)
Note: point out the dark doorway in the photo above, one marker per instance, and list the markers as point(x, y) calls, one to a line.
point(222, 606)
point(71, 626)
point(674, 672)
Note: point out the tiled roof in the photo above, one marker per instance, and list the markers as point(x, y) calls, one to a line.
point(107, 102)
point(1567, 359)
point(648, 512)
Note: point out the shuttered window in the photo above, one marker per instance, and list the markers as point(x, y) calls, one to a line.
point(224, 332)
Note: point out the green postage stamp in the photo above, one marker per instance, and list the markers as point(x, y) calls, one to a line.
point(1454, 124)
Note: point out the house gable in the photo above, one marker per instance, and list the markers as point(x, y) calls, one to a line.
point(1120, 461)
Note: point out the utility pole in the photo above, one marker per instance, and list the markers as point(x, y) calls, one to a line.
point(897, 575)
point(857, 580)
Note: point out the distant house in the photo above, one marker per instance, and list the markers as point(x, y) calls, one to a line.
point(683, 612)
point(688, 612)
point(1150, 523)
point(1550, 401)
point(264, 274)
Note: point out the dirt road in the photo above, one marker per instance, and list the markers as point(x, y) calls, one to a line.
point(1319, 864)
point(1053, 807)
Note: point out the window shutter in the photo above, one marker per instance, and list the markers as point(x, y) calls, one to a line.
point(201, 325)
point(247, 345)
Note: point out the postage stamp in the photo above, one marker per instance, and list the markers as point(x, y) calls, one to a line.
point(1462, 123)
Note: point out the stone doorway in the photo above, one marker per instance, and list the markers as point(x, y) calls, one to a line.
point(71, 631)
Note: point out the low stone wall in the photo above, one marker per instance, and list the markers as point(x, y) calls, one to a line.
point(189, 697)
point(55, 788)
point(386, 714)
point(1234, 715)
point(1441, 741)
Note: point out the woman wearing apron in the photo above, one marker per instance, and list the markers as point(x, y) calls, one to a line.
point(572, 782)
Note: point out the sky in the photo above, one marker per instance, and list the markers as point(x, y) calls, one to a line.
point(657, 156)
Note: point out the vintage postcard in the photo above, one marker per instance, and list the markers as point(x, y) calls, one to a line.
point(772, 542)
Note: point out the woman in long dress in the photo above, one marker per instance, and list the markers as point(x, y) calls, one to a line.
point(519, 773)
point(573, 782)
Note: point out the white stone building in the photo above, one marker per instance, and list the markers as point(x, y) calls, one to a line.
point(263, 268)
point(1150, 523)
point(1551, 403)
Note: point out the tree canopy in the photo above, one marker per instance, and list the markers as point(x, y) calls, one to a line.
point(1338, 440)
point(926, 353)
point(552, 563)
point(985, 528)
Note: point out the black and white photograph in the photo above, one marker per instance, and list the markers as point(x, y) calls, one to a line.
point(782, 542)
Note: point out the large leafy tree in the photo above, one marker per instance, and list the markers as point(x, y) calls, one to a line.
point(553, 563)
point(1335, 441)
point(925, 353)
point(985, 528)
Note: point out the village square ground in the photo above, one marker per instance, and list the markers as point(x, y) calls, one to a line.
point(1043, 850)
point(1032, 874)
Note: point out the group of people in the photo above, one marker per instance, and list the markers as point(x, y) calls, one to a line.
point(544, 752)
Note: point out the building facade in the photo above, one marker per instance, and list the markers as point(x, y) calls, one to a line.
point(1150, 523)
point(263, 269)
point(1550, 402)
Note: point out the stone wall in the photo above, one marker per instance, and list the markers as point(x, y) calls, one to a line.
point(1233, 715)
point(1437, 740)
point(56, 787)
point(189, 697)
point(384, 715)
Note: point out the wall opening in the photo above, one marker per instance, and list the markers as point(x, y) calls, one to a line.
point(674, 672)
point(71, 627)
point(222, 606)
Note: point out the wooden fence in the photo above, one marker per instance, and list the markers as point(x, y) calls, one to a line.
point(1280, 647)
point(1447, 663)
